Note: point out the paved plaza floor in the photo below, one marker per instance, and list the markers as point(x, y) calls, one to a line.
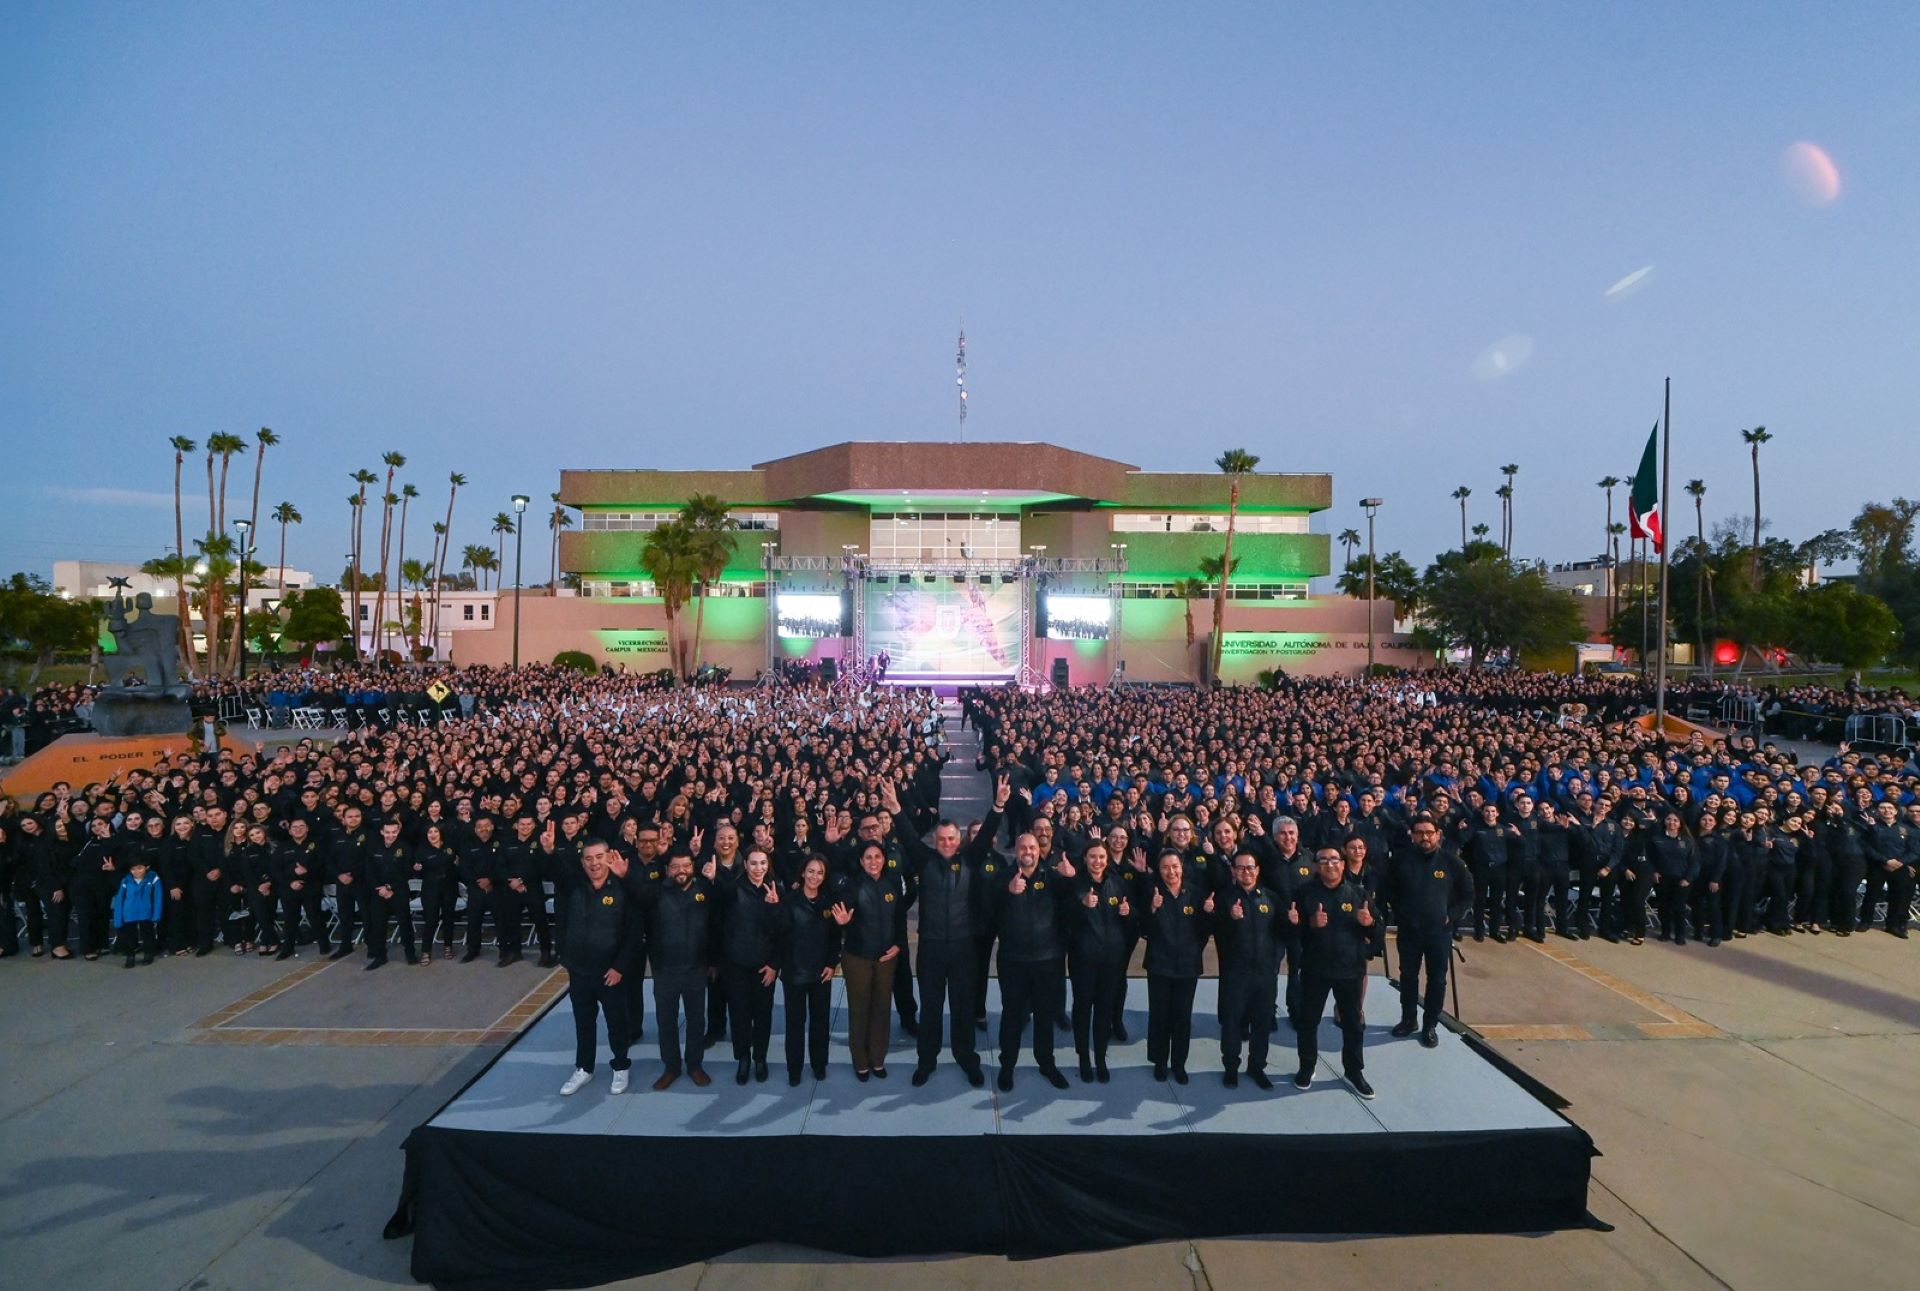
point(237, 1123)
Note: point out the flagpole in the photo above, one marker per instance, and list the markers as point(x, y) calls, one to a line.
point(1666, 473)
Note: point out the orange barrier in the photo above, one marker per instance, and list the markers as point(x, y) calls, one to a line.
point(1680, 729)
point(85, 758)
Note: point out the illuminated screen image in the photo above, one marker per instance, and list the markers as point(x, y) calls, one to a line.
point(969, 630)
point(1079, 618)
point(806, 614)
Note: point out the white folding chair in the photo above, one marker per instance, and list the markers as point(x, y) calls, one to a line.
point(253, 718)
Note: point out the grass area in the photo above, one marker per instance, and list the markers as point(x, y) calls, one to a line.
point(16, 673)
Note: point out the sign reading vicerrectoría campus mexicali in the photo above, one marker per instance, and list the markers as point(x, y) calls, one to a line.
point(626, 643)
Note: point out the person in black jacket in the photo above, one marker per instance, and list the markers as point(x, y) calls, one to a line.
point(679, 932)
point(347, 856)
point(1250, 935)
point(208, 886)
point(1675, 866)
point(1336, 923)
point(97, 869)
point(1175, 931)
point(949, 881)
point(602, 940)
point(479, 868)
point(1032, 957)
point(296, 868)
point(872, 945)
point(1097, 957)
point(1846, 849)
point(751, 926)
point(389, 867)
point(1433, 893)
point(810, 951)
point(1889, 851)
point(433, 862)
point(522, 870)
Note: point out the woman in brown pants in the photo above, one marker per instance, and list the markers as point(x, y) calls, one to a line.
point(871, 951)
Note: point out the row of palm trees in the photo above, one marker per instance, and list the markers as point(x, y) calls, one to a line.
point(202, 579)
point(685, 557)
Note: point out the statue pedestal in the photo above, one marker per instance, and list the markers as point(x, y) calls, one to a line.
point(142, 712)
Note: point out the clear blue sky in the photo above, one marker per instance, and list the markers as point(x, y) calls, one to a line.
point(505, 239)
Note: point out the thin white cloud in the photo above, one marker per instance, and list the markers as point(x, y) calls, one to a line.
point(1630, 284)
point(111, 497)
point(1503, 358)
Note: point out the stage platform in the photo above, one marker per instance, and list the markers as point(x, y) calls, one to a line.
point(512, 1185)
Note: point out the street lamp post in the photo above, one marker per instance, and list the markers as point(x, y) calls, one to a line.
point(519, 538)
point(1372, 505)
point(246, 531)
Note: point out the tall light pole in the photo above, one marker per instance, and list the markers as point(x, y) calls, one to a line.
point(246, 531)
point(519, 539)
point(1372, 506)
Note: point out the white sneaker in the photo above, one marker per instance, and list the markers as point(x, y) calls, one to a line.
point(576, 1082)
point(619, 1082)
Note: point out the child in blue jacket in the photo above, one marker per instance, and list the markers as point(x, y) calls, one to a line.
point(136, 911)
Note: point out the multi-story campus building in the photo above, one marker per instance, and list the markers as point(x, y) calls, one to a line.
point(959, 561)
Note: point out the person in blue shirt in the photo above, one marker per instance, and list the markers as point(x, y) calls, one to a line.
point(136, 911)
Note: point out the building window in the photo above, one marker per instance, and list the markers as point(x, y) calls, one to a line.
point(1268, 591)
point(467, 612)
point(364, 611)
point(942, 537)
point(622, 589)
point(593, 521)
point(486, 613)
point(1245, 522)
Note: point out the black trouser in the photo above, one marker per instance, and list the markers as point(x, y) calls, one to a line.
point(589, 993)
point(1099, 983)
point(9, 924)
point(716, 1010)
point(138, 934)
point(1633, 894)
point(1756, 879)
point(437, 898)
point(946, 989)
point(1810, 895)
point(1246, 1009)
point(808, 1005)
point(674, 990)
point(53, 925)
point(261, 905)
point(516, 906)
point(1030, 989)
point(395, 909)
point(209, 911)
point(1900, 886)
point(1526, 901)
point(1556, 881)
point(479, 904)
point(1426, 949)
point(1876, 892)
point(1120, 981)
point(292, 904)
point(350, 907)
point(1292, 950)
point(1169, 1019)
point(1706, 914)
point(1847, 873)
point(1734, 897)
point(1779, 893)
point(903, 977)
point(1489, 897)
point(1313, 1006)
point(92, 911)
point(1673, 909)
point(750, 1011)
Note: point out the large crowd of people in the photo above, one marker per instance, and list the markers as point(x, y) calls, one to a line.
point(711, 846)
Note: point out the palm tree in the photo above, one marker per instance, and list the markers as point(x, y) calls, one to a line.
point(181, 447)
point(1190, 590)
point(477, 558)
point(445, 530)
point(1460, 495)
point(1349, 538)
point(284, 514)
point(502, 525)
point(1509, 470)
point(175, 566)
point(1480, 532)
point(670, 559)
point(407, 494)
point(1236, 464)
point(1753, 439)
point(415, 572)
point(363, 478)
point(714, 535)
point(557, 521)
point(225, 446)
point(1697, 490)
point(1505, 494)
point(393, 462)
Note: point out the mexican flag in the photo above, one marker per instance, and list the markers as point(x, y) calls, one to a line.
point(1643, 511)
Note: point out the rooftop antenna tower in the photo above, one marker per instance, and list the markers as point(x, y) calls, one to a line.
point(960, 380)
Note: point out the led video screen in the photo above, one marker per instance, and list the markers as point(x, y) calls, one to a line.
point(970, 629)
point(806, 614)
point(1079, 618)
